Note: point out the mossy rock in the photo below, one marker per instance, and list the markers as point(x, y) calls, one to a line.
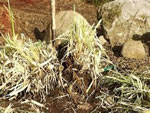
point(121, 19)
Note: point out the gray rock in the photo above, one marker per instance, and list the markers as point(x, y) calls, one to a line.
point(133, 49)
point(124, 18)
point(65, 20)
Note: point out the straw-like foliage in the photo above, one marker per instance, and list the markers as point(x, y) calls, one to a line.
point(27, 66)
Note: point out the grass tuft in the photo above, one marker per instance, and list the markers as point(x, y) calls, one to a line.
point(27, 65)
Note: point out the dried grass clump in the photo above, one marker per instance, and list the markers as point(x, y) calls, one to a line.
point(27, 66)
point(126, 92)
point(85, 49)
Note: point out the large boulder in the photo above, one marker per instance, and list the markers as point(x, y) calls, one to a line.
point(66, 19)
point(133, 49)
point(124, 18)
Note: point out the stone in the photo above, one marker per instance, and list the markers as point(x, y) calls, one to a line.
point(124, 18)
point(65, 20)
point(133, 49)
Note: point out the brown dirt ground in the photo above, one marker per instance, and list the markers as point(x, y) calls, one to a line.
point(31, 15)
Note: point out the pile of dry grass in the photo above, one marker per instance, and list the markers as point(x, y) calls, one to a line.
point(27, 66)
